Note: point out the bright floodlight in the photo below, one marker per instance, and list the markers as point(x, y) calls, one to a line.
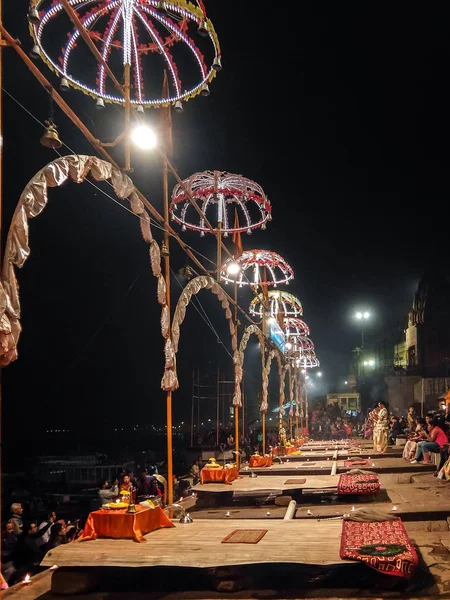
point(143, 137)
point(371, 363)
point(233, 268)
point(319, 374)
point(365, 363)
point(346, 382)
point(359, 315)
point(366, 315)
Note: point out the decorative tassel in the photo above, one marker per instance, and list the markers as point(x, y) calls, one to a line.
point(165, 322)
point(155, 258)
point(161, 292)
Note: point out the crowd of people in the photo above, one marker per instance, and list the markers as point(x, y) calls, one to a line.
point(330, 422)
point(25, 541)
point(26, 538)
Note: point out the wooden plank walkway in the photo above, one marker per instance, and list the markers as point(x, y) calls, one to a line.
point(199, 544)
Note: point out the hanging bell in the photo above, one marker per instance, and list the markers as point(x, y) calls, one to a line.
point(140, 109)
point(225, 235)
point(33, 15)
point(202, 234)
point(203, 28)
point(178, 106)
point(249, 232)
point(50, 139)
point(183, 227)
point(100, 104)
point(64, 85)
point(161, 6)
point(263, 226)
point(217, 64)
point(205, 90)
point(35, 53)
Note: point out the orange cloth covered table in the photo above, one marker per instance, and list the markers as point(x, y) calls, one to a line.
point(120, 524)
point(218, 475)
point(288, 450)
point(260, 461)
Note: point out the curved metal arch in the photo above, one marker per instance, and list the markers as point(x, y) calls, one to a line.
point(32, 202)
point(170, 381)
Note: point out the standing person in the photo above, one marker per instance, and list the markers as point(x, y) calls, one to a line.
point(380, 429)
point(127, 486)
point(411, 419)
point(107, 492)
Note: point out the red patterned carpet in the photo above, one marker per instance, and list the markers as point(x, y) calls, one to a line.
point(383, 546)
point(358, 484)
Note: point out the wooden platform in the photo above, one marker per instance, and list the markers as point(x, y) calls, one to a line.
point(274, 483)
point(315, 454)
point(199, 544)
point(382, 465)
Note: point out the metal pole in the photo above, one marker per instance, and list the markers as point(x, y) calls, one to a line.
point(217, 406)
point(263, 358)
point(1, 239)
point(198, 402)
point(236, 433)
point(166, 254)
point(127, 140)
point(192, 406)
point(219, 248)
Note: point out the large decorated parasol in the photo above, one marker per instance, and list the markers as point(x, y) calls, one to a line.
point(222, 198)
point(258, 268)
point(294, 328)
point(279, 303)
point(149, 35)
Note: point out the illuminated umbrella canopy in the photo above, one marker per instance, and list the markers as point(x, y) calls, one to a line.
point(294, 328)
point(307, 362)
point(280, 302)
point(150, 35)
point(221, 197)
point(267, 269)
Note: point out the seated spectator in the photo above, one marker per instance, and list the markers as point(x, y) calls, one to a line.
point(44, 539)
point(395, 429)
point(107, 493)
point(436, 439)
point(57, 537)
point(9, 543)
point(420, 434)
point(28, 554)
point(195, 472)
point(17, 518)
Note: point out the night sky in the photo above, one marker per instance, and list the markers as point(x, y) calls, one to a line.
point(339, 111)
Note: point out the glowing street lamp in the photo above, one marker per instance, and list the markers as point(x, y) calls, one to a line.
point(362, 316)
point(144, 137)
point(233, 268)
point(319, 374)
